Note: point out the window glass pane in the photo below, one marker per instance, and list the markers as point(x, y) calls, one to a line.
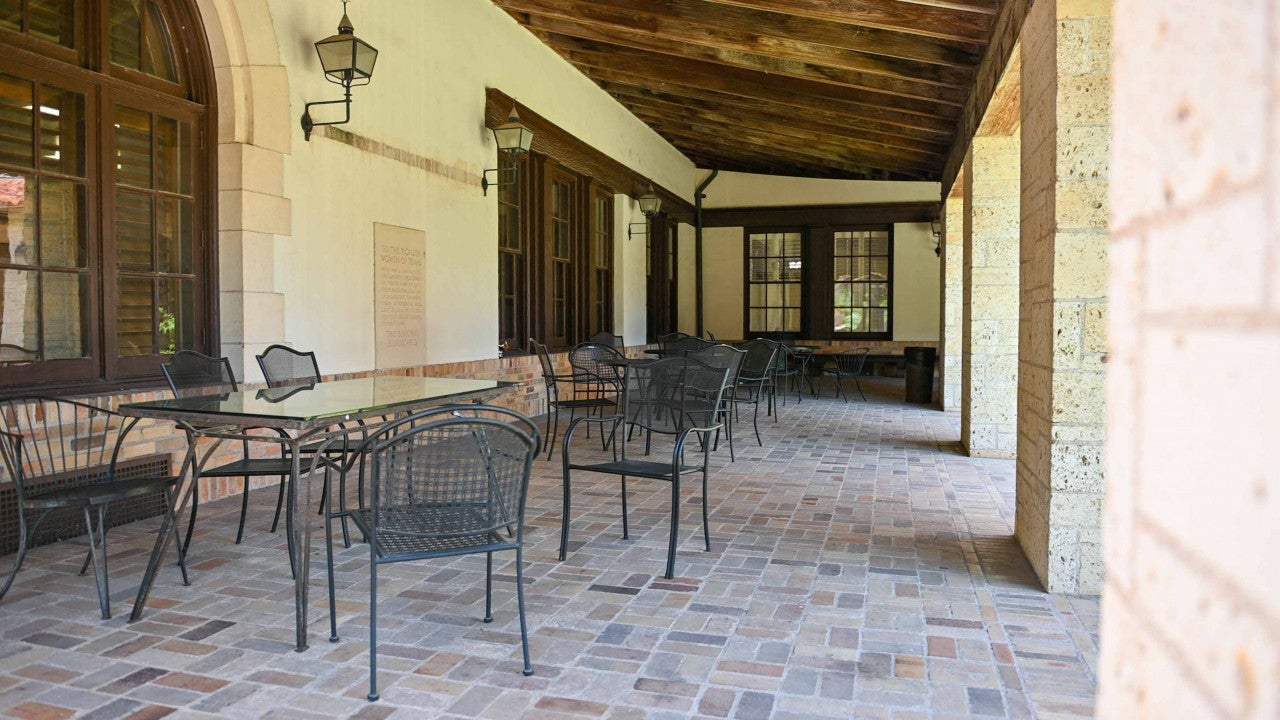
point(775, 245)
point(879, 243)
point(133, 147)
point(758, 246)
point(173, 235)
point(861, 295)
point(841, 320)
point(11, 15)
point(140, 39)
point(19, 319)
point(133, 231)
point(65, 306)
point(62, 229)
point(773, 320)
point(792, 298)
point(134, 318)
point(791, 320)
point(176, 315)
point(62, 147)
point(877, 321)
point(757, 295)
point(844, 246)
point(879, 295)
point(17, 219)
point(880, 268)
point(773, 294)
point(52, 20)
point(17, 134)
point(173, 155)
point(844, 295)
point(791, 245)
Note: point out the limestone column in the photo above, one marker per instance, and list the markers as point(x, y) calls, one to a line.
point(952, 243)
point(988, 411)
point(1065, 167)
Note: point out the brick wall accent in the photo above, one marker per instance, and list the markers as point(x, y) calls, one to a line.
point(1066, 138)
point(989, 335)
point(1191, 606)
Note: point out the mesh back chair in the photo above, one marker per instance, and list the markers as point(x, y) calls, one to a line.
point(793, 367)
point(681, 347)
point(608, 338)
point(672, 396)
point(62, 454)
point(282, 365)
point(443, 484)
point(671, 337)
point(848, 364)
point(729, 359)
point(191, 374)
point(577, 400)
point(755, 378)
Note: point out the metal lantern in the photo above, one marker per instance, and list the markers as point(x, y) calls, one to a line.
point(650, 203)
point(513, 137)
point(347, 61)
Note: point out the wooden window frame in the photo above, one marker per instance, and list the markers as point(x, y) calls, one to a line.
point(806, 253)
point(887, 334)
point(106, 86)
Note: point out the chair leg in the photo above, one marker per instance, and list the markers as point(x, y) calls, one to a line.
point(555, 431)
point(755, 421)
point(328, 555)
point(728, 431)
point(706, 522)
point(275, 521)
point(858, 383)
point(524, 627)
point(564, 516)
point(626, 531)
point(99, 563)
point(171, 517)
point(488, 587)
point(675, 519)
point(244, 509)
point(195, 510)
point(24, 536)
point(373, 624)
point(840, 388)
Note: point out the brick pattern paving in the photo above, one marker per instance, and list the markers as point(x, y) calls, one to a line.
point(860, 568)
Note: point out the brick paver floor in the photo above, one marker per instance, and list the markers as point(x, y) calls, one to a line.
point(861, 568)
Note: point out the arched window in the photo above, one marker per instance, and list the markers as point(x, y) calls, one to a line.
point(106, 185)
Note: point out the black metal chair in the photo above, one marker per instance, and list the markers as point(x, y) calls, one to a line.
point(584, 400)
point(848, 364)
point(62, 454)
point(793, 367)
point(680, 347)
point(755, 379)
point(607, 338)
point(672, 396)
point(443, 484)
point(729, 359)
point(190, 374)
point(282, 365)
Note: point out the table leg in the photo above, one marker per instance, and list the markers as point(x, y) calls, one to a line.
point(298, 525)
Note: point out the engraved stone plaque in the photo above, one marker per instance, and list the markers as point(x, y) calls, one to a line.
point(399, 296)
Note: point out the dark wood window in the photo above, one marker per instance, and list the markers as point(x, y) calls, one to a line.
point(662, 258)
point(513, 268)
point(105, 187)
point(775, 287)
point(562, 259)
point(862, 281)
point(601, 263)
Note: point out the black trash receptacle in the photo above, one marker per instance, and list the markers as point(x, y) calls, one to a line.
point(920, 362)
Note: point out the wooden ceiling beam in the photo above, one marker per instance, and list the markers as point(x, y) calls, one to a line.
point(789, 137)
point(891, 86)
point(798, 108)
point(872, 105)
point(930, 20)
point(796, 38)
point(719, 112)
point(1004, 37)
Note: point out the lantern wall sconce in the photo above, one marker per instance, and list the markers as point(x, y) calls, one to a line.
point(936, 227)
point(347, 61)
point(650, 204)
point(514, 140)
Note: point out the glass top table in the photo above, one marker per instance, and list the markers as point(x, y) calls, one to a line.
point(300, 414)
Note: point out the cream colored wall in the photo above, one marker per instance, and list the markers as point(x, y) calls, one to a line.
point(731, 189)
point(427, 98)
point(917, 286)
point(722, 274)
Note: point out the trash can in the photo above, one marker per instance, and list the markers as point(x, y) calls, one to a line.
point(919, 363)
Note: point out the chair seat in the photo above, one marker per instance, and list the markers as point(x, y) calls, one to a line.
point(251, 466)
point(637, 468)
point(98, 493)
point(408, 532)
point(587, 403)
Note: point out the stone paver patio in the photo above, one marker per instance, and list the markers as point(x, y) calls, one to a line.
point(861, 568)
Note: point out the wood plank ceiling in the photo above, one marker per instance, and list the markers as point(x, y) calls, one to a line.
point(854, 89)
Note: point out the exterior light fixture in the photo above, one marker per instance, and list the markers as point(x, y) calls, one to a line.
point(347, 61)
point(650, 204)
point(936, 227)
point(514, 139)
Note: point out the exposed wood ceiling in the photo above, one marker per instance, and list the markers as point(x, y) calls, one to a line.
point(859, 89)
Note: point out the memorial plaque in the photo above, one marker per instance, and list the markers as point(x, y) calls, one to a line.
point(399, 296)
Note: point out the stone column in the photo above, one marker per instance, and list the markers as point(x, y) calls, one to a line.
point(1191, 609)
point(952, 295)
point(1065, 177)
point(988, 409)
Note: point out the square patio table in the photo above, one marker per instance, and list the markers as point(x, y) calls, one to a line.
point(299, 414)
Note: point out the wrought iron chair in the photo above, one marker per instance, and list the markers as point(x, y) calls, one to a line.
point(729, 359)
point(443, 483)
point(672, 396)
point(848, 364)
point(792, 366)
point(607, 338)
point(282, 365)
point(755, 379)
point(62, 454)
point(584, 401)
point(190, 374)
point(681, 347)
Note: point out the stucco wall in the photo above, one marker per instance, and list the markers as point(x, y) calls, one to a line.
point(425, 111)
point(731, 189)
